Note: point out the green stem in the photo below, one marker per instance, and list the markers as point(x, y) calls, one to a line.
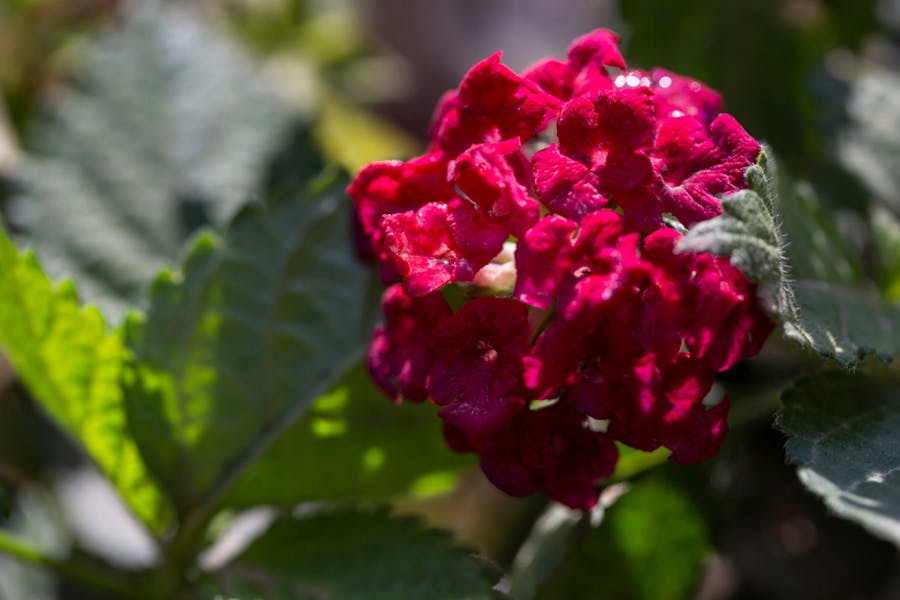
point(25, 552)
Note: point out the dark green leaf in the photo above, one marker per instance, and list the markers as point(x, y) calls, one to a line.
point(71, 365)
point(842, 435)
point(235, 348)
point(354, 555)
point(843, 323)
point(650, 545)
point(169, 128)
point(353, 442)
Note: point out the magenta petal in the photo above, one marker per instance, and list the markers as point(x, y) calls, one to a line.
point(543, 258)
point(695, 433)
point(478, 363)
point(493, 104)
point(400, 355)
point(493, 176)
point(699, 166)
point(566, 186)
point(599, 47)
point(677, 95)
point(553, 76)
point(550, 451)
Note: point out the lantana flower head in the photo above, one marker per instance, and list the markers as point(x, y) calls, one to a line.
point(546, 198)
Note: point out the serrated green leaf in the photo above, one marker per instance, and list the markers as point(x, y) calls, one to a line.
point(260, 323)
point(71, 365)
point(353, 443)
point(650, 546)
point(845, 324)
point(168, 128)
point(842, 435)
point(352, 554)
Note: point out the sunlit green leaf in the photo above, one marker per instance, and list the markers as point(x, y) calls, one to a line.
point(234, 348)
point(71, 365)
point(353, 442)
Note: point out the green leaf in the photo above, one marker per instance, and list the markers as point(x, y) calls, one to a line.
point(235, 348)
point(842, 435)
point(352, 554)
point(168, 128)
point(845, 324)
point(71, 365)
point(650, 545)
point(353, 443)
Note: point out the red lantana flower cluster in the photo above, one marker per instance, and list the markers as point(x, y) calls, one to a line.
point(545, 198)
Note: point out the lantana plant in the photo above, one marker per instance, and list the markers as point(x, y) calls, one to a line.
point(536, 290)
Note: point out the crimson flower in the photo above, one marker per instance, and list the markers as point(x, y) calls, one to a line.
point(545, 199)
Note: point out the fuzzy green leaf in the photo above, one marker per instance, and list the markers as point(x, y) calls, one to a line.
point(353, 443)
point(829, 317)
point(259, 323)
point(352, 554)
point(842, 435)
point(169, 128)
point(71, 365)
point(747, 232)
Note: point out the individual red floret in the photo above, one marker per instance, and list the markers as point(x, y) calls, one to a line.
point(675, 95)
point(496, 177)
point(728, 323)
point(543, 258)
point(491, 105)
point(723, 322)
point(439, 244)
point(477, 370)
point(604, 139)
point(696, 165)
point(552, 450)
point(586, 69)
point(400, 355)
point(390, 187)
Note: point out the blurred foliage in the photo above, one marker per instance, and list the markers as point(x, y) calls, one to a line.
point(36, 40)
point(650, 546)
point(762, 56)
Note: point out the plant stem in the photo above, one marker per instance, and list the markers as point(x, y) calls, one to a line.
point(25, 552)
